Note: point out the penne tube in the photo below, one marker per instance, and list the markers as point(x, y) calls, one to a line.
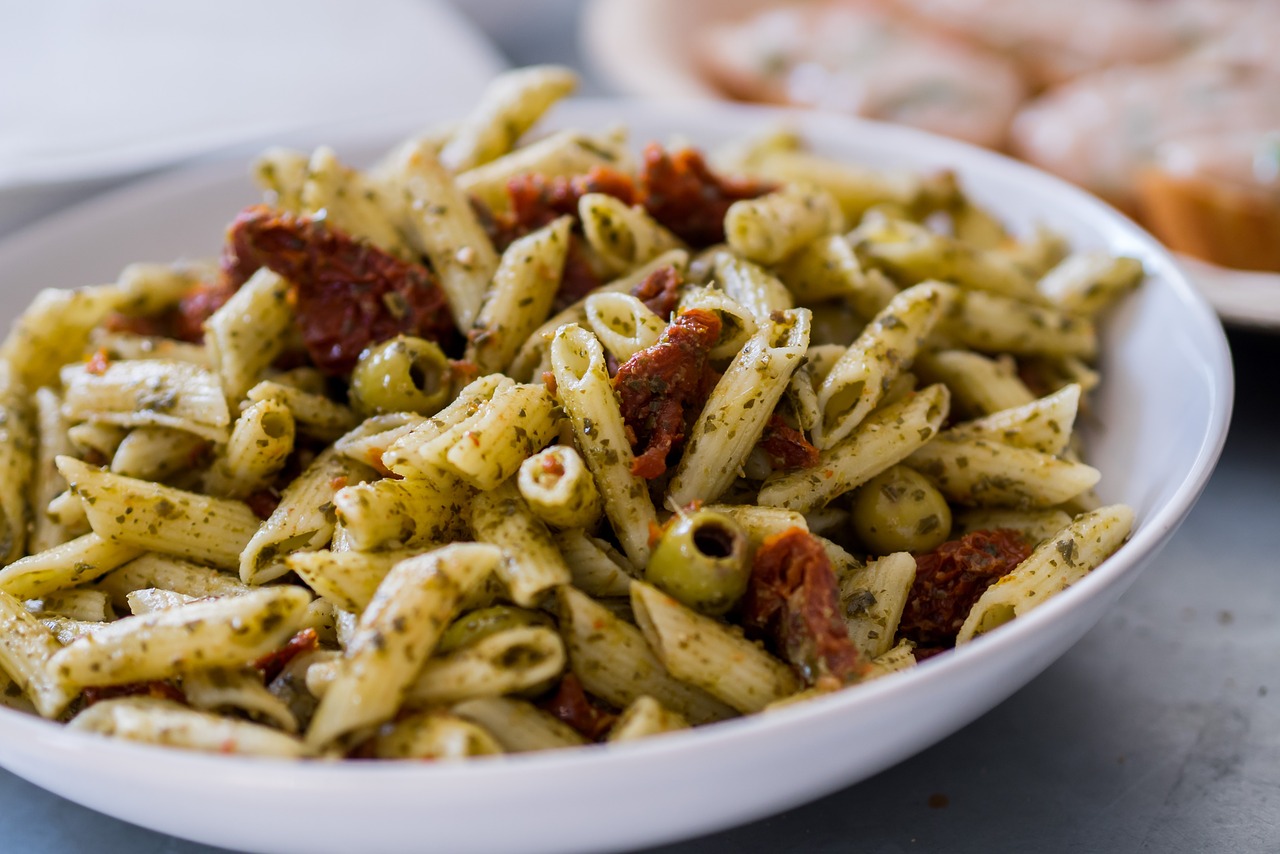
point(751, 286)
point(531, 564)
point(395, 635)
point(315, 415)
point(488, 445)
point(562, 153)
point(95, 439)
point(248, 332)
point(150, 392)
point(771, 227)
point(149, 516)
point(26, 649)
point(595, 567)
point(127, 347)
point(303, 520)
point(623, 236)
point(709, 654)
point(167, 643)
point(992, 323)
point(583, 385)
point(410, 513)
point(350, 202)
point(408, 454)
point(559, 489)
point(1089, 282)
point(885, 438)
point(54, 330)
point(518, 725)
point(643, 718)
point(856, 188)
point(520, 294)
point(168, 573)
point(261, 442)
point(1043, 425)
point(165, 722)
point(886, 348)
point(613, 661)
point(434, 735)
point(912, 253)
point(281, 174)
point(239, 690)
point(149, 600)
point(17, 467)
point(346, 579)
point(898, 658)
point(91, 606)
point(367, 442)
point(979, 385)
point(828, 268)
point(157, 453)
point(872, 598)
point(526, 658)
point(152, 288)
point(442, 225)
point(742, 402)
point(759, 522)
point(46, 484)
point(623, 324)
point(1056, 564)
point(531, 359)
point(1036, 525)
point(978, 472)
point(508, 107)
point(63, 566)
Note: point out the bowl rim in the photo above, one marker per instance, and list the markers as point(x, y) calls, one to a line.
point(1148, 536)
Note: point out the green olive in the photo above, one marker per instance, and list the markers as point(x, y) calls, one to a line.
point(899, 510)
point(703, 561)
point(403, 374)
point(478, 625)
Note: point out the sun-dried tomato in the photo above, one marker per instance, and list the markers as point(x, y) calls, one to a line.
point(349, 294)
point(661, 386)
point(659, 291)
point(786, 446)
point(184, 321)
point(263, 503)
point(153, 690)
point(274, 662)
point(536, 200)
point(793, 600)
point(572, 705)
point(197, 306)
point(681, 192)
point(950, 579)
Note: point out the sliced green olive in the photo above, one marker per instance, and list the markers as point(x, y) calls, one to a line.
point(899, 510)
point(403, 374)
point(478, 625)
point(703, 561)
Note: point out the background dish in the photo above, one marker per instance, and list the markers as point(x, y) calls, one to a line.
point(92, 109)
point(1165, 358)
point(647, 48)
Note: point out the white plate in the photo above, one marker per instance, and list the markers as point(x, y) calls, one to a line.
point(1162, 415)
point(1241, 297)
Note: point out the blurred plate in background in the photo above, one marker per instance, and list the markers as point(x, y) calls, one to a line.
point(96, 92)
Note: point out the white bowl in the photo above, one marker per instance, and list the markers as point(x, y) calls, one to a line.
point(1161, 418)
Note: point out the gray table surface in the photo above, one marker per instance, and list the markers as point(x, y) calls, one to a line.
point(1159, 731)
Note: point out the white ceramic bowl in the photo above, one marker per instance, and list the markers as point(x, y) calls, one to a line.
point(1161, 418)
